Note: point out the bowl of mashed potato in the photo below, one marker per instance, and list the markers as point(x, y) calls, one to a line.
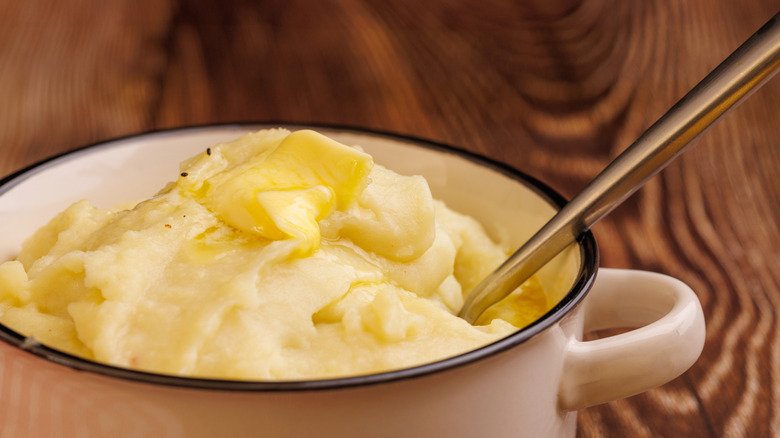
point(290, 280)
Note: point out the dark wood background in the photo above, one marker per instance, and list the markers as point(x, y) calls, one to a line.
point(556, 88)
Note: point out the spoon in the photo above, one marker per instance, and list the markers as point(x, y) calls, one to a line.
point(744, 71)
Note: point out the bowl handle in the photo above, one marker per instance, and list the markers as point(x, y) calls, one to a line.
point(668, 341)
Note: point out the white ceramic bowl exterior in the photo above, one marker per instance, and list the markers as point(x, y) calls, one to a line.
point(529, 384)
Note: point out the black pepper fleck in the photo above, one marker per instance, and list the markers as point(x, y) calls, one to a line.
point(208, 151)
point(184, 174)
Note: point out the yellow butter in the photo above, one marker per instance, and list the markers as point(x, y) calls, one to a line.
point(283, 193)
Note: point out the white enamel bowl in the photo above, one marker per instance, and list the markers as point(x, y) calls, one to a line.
point(528, 384)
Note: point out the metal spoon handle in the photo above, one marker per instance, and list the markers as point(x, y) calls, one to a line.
point(744, 71)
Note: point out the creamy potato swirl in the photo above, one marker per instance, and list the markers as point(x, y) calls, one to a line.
point(275, 256)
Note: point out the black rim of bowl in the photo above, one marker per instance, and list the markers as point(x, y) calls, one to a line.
point(583, 281)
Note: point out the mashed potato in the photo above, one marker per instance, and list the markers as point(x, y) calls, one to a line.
point(276, 256)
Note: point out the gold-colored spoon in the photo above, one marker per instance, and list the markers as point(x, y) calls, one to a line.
point(744, 71)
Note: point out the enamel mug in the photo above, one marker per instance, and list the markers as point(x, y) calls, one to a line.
point(529, 384)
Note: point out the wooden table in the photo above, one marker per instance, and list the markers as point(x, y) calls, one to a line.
point(554, 88)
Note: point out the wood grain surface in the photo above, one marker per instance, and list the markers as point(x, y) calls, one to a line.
point(553, 88)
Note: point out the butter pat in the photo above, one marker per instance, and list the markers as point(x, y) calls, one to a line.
point(285, 189)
